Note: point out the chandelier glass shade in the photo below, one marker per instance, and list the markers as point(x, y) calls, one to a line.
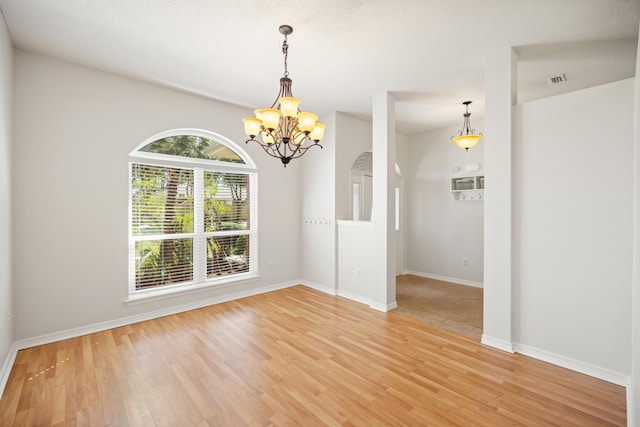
point(285, 132)
point(467, 138)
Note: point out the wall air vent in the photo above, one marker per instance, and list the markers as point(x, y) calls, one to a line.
point(560, 78)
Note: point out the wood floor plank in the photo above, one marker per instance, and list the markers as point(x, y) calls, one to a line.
point(295, 357)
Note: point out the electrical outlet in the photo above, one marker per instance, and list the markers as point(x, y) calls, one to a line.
point(465, 261)
point(8, 317)
point(270, 265)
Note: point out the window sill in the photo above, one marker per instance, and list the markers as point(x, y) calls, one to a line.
point(144, 297)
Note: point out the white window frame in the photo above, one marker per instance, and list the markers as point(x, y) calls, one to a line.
point(199, 166)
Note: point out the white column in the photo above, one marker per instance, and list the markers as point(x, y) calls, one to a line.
point(500, 97)
point(383, 295)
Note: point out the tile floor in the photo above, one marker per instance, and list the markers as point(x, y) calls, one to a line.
point(448, 305)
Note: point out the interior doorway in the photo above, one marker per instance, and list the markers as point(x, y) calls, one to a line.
point(442, 280)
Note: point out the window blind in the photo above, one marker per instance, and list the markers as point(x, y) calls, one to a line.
point(162, 207)
point(190, 224)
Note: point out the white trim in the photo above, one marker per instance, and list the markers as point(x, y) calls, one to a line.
point(7, 366)
point(446, 279)
point(558, 360)
point(248, 161)
point(157, 159)
point(198, 166)
point(123, 321)
point(497, 343)
point(574, 365)
point(145, 296)
point(382, 307)
point(318, 287)
point(354, 297)
point(343, 222)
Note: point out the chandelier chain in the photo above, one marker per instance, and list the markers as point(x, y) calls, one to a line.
point(285, 52)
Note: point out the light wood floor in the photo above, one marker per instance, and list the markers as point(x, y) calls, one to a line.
point(295, 357)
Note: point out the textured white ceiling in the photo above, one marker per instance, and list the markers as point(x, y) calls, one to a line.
point(430, 53)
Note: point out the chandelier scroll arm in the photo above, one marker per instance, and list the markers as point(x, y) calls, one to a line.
point(269, 149)
point(301, 150)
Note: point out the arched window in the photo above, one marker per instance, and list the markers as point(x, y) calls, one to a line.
point(192, 213)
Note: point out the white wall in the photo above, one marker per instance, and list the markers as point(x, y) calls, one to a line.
point(355, 268)
point(572, 212)
point(318, 240)
point(73, 130)
point(6, 294)
point(633, 397)
point(441, 231)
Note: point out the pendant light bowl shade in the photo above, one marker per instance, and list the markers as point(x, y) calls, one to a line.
point(307, 121)
point(466, 141)
point(289, 106)
point(252, 126)
point(270, 117)
point(318, 132)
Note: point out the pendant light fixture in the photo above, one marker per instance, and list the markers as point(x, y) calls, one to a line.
point(467, 138)
point(285, 131)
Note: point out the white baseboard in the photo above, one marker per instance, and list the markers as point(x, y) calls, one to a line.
point(354, 297)
point(445, 279)
point(575, 365)
point(500, 344)
point(102, 326)
point(559, 360)
point(318, 287)
point(555, 359)
point(384, 307)
point(6, 367)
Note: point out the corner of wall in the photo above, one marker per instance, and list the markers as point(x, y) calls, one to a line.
point(633, 393)
point(7, 351)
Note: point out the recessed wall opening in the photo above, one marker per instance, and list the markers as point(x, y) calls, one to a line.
point(442, 282)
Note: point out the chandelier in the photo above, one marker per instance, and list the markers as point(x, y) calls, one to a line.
point(283, 128)
point(468, 138)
